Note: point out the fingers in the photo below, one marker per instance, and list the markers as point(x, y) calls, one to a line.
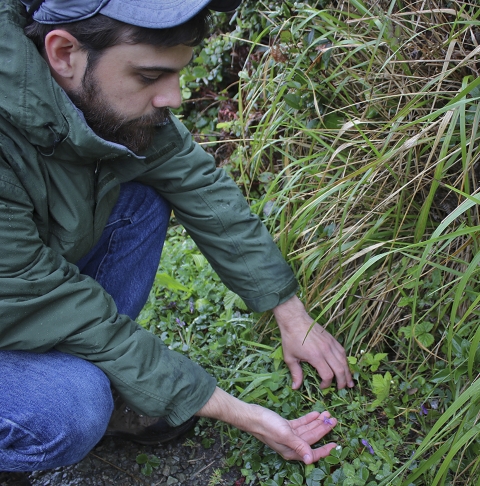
point(309, 429)
point(333, 369)
point(331, 362)
point(313, 426)
point(296, 372)
point(322, 351)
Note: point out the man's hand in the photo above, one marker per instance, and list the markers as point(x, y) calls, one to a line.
point(290, 438)
point(318, 347)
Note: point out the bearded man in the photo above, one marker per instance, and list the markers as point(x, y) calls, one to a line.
point(92, 163)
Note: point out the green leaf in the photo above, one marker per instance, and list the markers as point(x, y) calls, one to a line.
point(426, 339)
point(381, 388)
point(142, 459)
point(199, 260)
point(200, 72)
point(374, 361)
point(406, 331)
point(202, 305)
point(165, 280)
point(333, 121)
point(423, 327)
point(349, 470)
point(296, 478)
point(405, 301)
point(154, 461)
point(332, 460)
point(147, 470)
point(232, 300)
point(293, 100)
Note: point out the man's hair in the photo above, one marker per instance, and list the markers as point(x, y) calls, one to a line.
point(100, 32)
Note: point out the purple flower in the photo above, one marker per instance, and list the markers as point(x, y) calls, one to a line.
point(423, 409)
point(179, 322)
point(192, 307)
point(368, 446)
point(328, 421)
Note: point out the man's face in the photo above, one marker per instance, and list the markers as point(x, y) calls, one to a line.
point(128, 91)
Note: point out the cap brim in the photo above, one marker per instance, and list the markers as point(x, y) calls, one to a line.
point(224, 5)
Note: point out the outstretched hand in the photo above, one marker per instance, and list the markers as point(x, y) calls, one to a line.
point(314, 345)
point(292, 439)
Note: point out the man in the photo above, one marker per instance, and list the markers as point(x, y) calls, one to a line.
point(91, 164)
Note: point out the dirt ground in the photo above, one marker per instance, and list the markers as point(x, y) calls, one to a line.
point(113, 463)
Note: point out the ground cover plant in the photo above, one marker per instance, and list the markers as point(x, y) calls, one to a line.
point(352, 128)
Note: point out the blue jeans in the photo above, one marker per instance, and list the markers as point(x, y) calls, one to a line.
point(55, 407)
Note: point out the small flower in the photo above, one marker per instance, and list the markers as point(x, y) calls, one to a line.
point(328, 421)
point(368, 446)
point(192, 307)
point(179, 322)
point(423, 409)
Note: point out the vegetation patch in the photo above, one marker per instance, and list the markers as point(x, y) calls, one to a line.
point(352, 128)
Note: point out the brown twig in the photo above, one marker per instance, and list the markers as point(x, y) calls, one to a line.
point(116, 467)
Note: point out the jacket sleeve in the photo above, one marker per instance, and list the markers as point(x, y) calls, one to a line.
point(210, 206)
point(46, 303)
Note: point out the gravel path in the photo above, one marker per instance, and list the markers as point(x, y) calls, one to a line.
point(112, 463)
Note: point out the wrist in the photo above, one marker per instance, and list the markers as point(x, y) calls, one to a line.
point(223, 406)
point(291, 314)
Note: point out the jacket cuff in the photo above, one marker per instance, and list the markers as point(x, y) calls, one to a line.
point(271, 300)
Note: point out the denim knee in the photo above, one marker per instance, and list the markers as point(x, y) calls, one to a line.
point(57, 426)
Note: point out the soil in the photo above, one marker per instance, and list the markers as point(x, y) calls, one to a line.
point(113, 463)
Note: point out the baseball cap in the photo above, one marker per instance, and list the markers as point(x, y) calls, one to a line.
point(155, 14)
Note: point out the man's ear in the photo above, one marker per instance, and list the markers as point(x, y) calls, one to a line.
point(66, 59)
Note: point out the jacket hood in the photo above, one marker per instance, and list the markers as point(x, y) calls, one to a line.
point(33, 103)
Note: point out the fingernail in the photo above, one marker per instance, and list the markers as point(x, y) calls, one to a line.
point(351, 384)
point(307, 458)
point(294, 385)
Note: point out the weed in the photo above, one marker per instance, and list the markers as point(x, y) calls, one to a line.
point(354, 133)
point(148, 463)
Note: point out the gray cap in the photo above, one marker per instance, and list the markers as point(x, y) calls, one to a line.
point(154, 14)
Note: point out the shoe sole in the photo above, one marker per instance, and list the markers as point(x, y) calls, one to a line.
point(158, 438)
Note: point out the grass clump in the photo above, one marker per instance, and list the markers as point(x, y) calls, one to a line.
point(354, 133)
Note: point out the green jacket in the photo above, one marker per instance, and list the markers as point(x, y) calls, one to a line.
point(58, 185)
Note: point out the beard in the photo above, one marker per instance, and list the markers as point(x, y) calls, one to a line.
point(137, 134)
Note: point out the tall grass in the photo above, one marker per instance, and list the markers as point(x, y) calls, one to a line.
point(367, 115)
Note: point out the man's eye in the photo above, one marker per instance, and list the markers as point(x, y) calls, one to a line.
point(149, 79)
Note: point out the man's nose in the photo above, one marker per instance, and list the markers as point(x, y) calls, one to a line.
point(169, 94)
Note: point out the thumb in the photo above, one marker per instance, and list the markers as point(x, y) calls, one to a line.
point(297, 374)
point(323, 451)
point(305, 452)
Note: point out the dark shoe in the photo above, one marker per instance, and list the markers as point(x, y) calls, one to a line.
point(127, 424)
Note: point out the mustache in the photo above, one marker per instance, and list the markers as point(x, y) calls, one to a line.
point(160, 116)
